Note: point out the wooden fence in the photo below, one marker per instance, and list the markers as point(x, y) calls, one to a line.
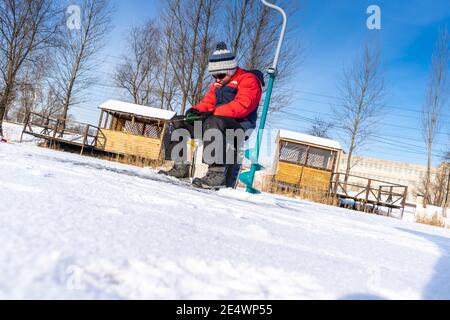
point(369, 191)
point(58, 130)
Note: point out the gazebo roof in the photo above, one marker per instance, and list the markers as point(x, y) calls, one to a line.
point(305, 138)
point(137, 110)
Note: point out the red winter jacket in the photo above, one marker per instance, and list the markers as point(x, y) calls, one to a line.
point(238, 99)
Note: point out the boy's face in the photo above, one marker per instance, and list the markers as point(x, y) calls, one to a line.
point(225, 79)
point(222, 78)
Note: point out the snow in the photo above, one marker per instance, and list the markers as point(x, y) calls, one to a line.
point(13, 131)
point(301, 137)
point(137, 110)
point(81, 228)
point(430, 211)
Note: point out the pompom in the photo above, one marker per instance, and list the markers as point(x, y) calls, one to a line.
point(221, 46)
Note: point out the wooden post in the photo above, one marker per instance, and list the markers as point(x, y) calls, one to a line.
point(86, 131)
point(98, 129)
point(113, 124)
point(27, 119)
point(303, 167)
point(100, 120)
point(106, 120)
point(330, 188)
point(404, 201)
point(391, 192)
point(369, 185)
point(161, 140)
point(336, 184)
point(55, 129)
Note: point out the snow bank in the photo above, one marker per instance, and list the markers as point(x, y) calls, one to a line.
point(77, 227)
point(12, 133)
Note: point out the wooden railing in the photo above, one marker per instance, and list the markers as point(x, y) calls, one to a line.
point(370, 191)
point(63, 130)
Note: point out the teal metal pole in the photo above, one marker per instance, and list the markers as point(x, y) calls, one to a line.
point(255, 167)
point(248, 177)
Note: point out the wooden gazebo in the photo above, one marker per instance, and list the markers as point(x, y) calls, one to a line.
point(305, 162)
point(134, 130)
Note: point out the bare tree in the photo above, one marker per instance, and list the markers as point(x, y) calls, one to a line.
point(253, 31)
point(191, 28)
point(207, 34)
point(27, 94)
point(184, 18)
point(320, 128)
point(437, 185)
point(167, 80)
point(436, 99)
point(164, 80)
point(26, 27)
point(75, 56)
point(31, 83)
point(362, 93)
point(51, 106)
point(139, 72)
point(191, 32)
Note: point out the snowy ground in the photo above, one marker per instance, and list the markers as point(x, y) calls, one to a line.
point(75, 227)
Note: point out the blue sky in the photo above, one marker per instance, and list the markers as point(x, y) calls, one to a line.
point(332, 32)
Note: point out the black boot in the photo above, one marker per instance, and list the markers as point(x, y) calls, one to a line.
point(179, 171)
point(216, 178)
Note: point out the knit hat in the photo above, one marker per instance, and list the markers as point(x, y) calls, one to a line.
point(222, 60)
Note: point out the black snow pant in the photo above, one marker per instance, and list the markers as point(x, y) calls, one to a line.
point(221, 124)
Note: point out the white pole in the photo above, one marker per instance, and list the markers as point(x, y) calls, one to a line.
point(283, 31)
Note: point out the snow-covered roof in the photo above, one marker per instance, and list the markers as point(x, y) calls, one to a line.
point(301, 137)
point(137, 110)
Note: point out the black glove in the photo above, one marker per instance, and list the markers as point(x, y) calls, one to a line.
point(193, 115)
point(193, 112)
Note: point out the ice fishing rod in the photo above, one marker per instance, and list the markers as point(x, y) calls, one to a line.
point(253, 154)
point(190, 119)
